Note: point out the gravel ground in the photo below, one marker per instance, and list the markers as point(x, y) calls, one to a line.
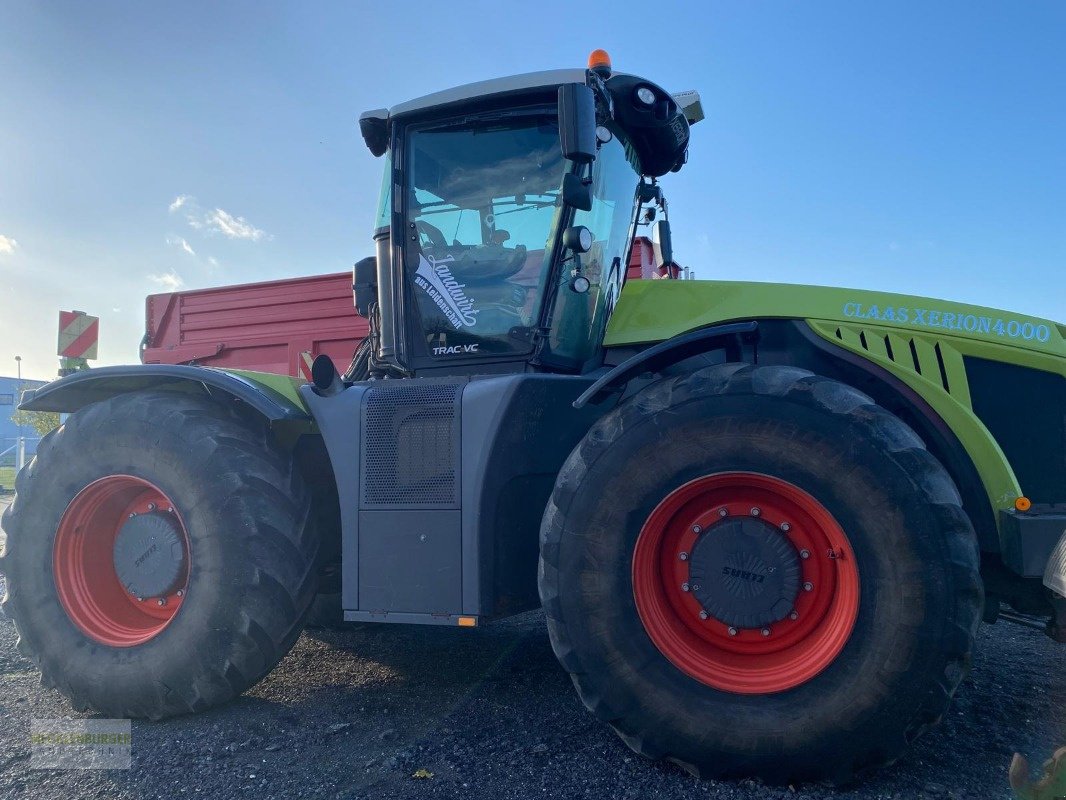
point(489, 713)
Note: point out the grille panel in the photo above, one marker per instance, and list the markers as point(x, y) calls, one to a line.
point(1025, 410)
point(411, 445)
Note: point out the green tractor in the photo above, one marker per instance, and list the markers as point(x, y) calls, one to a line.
point(763, 521)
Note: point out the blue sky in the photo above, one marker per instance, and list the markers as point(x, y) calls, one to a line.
point(908, 146)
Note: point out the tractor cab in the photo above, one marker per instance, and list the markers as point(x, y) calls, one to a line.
point(506, 215)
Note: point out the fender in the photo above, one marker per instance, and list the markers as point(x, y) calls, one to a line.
point(953, 434)
point(664, 354)
point(272, 396)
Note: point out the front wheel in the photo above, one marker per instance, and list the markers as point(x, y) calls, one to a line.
point(158, 557)
point(756, 571)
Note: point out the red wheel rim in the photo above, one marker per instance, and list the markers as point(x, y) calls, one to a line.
point(778, 656)
point(83, 564)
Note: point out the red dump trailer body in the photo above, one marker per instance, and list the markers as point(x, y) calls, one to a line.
point(276, 326)
point(264, 326)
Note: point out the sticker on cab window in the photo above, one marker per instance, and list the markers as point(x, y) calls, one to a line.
point(435, 278)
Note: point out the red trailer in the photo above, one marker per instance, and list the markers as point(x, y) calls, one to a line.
point(267, 326)
point(278, 326)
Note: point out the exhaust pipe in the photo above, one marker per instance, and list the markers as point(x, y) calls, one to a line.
point(325, 377)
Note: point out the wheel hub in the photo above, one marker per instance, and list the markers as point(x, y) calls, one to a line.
point(149, 554)
point(745, 582)
point(121, 565)
point(745, 573)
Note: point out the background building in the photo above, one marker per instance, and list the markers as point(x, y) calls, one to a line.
point(9, 431)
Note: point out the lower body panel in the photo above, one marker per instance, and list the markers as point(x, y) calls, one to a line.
point(442, 486)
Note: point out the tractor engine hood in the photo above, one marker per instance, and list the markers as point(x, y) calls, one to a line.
point(651, 311)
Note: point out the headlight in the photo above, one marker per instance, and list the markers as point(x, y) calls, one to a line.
point(645, 96)
point(577, 238)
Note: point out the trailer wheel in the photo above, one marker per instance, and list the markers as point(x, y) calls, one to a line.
point(756, 571)
point(158, 559)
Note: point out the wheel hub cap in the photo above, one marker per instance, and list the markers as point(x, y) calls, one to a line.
point(149, 554)
point(745, 573)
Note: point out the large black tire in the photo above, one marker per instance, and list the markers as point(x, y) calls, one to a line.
point(251, 554)
point(916, 553)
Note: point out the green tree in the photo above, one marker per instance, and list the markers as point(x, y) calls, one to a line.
point(41, 421)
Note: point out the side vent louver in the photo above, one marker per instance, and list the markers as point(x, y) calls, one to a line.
point(928, 359)
point(914, 356)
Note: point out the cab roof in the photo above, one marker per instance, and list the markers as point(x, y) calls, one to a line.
point(546, 79)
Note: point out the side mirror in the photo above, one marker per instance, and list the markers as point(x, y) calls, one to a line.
point(576, 192)
point(374, 125)
point(577, 122)
point(664, 247)
point(365, 284)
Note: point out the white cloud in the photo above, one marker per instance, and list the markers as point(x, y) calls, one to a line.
point(217, 220)
point(170, 281)
point(7, 245)
point(231, 226)
point(177, 241)
point(212, 261)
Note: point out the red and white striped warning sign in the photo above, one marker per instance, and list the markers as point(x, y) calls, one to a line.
point(306, 360)
point(79, 334)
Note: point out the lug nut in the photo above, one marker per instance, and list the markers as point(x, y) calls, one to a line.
point(140, 599)
point(755, 512)
point(732, 631)
point(805, 553)
point(151, 506)
point(180, 593)
point(765, 631)
point(786, 527)
point(683, 556)
point(808, 587)
point(170, 509)
point(723, 512)
point(684, 587)
point(794, 615)
point(132, 515)
point(695, 587)
point(703, 615)
point(696, 529)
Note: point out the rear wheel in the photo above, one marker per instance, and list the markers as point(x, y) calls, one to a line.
point(158, 556)
point(755, 571)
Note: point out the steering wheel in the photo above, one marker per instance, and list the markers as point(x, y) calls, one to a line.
point(436, 238)
point(489, 262)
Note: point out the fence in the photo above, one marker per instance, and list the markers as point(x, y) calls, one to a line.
point(14, 453)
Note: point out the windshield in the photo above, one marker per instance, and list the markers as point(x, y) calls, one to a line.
point(482, 204)
point(579, 319)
